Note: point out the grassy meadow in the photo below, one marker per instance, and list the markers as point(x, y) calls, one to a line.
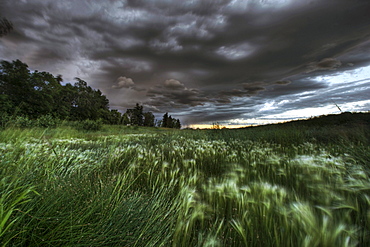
point(280, 185)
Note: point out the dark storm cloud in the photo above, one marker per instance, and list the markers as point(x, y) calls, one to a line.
point(212, 55)
point(324, 64)
point(173, 93)
point(247, 90)
point(283, 82)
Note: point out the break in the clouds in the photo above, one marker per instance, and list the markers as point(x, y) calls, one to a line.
point(202, 60)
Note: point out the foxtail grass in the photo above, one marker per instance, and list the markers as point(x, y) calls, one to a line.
point(182, 188)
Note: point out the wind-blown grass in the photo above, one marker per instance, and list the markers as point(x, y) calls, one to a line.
point(183, 188)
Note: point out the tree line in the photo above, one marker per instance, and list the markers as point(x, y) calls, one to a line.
point(37, 94)
point(136, 116)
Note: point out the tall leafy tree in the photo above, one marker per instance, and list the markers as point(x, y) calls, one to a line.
point(126, 119)
point(177, 125)
point(30, 94)
point(44, 96)
point(40, 93)
point(149, 119)
point(169, 122)
point(136, 115)
point(66, 102)
point(88, 103)
point(113, 117)
point(15, 87)
point(164, 123)
point(35, 94)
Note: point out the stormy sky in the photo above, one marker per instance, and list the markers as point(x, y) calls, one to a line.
point(236, 62)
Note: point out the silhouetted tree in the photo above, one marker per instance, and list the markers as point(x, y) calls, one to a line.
point(14, 87)
point(113, 117)
point(125, 119)
point(165, 120)
point(136, 115)
point(88, 103)
point(177, 124)
point(149, 119)
point(169, 122)
point(40, 93)
point(25, 93)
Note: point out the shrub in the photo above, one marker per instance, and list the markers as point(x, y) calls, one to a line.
point(21, 122)
point(90, 125)
point(46, 121)
point(4, 119)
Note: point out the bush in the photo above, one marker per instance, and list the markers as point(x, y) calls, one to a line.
point(90, 125)
point(47, 121)
point(21, 122)
point(4, 119)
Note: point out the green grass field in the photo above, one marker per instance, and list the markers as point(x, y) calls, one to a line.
point(125, 186)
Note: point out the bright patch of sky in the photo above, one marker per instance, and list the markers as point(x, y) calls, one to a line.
point(244, 5)
point(361, 75)
point(268, 106)
point(317, 111)
point(341, 83)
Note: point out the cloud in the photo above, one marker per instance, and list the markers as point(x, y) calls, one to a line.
point(328, 63)
point(173, 94)
point(173, 84)
point(324, 64)
point(235, 52)
point(219, 53)
point(255, 87)
point(124, 82)
point(227, 96)
point(248, 90)
point(283, 82)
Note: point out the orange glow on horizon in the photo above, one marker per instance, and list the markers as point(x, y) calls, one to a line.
point(210, 126)
point(254, 122)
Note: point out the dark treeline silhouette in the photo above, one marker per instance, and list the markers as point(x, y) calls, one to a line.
point(37, 94)
point(136, 116)
point(169, 122)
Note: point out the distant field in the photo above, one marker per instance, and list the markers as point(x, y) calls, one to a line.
point(291, 185)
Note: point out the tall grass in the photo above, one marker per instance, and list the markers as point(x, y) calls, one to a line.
point(125, 187)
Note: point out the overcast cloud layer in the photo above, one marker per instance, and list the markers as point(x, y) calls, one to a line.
point(203, 61)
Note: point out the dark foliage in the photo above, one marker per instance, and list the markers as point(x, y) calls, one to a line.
point(36, 94)
point(169, 122)
point(27, 96)
point(89, 125)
